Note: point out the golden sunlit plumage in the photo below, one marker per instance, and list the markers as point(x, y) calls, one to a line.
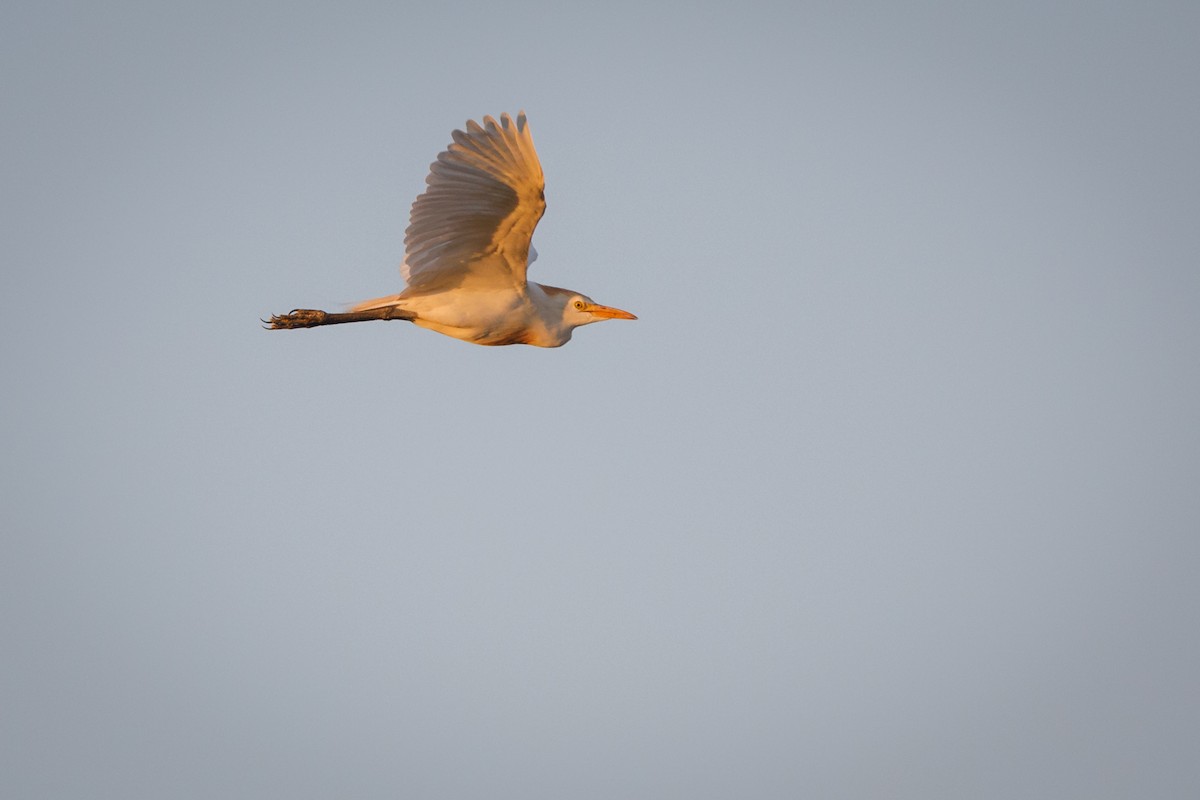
point(468, 246)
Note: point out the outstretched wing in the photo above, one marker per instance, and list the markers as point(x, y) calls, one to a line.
point(473, 223)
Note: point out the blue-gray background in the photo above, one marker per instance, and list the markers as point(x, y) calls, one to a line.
point(893, 490)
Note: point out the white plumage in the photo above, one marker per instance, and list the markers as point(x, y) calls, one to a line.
point(468, 246)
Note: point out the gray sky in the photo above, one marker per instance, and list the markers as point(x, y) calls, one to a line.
point(892, 491)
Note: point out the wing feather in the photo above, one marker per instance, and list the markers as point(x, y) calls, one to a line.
point(473, 223)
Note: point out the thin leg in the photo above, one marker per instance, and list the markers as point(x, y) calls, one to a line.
point(311, 318)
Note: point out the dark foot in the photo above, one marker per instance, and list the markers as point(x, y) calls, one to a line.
point(298, 318)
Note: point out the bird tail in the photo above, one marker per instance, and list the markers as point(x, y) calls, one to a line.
point(376, 302)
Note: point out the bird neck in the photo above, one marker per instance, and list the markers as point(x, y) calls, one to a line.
point(550, 303)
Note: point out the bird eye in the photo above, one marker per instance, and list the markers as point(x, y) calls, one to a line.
point(579, 305)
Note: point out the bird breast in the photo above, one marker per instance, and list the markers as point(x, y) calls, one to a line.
point(483, 317)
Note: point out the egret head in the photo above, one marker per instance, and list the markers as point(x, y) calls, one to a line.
point(581, 310)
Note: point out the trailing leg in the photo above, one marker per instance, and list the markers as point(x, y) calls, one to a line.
point(311, 318)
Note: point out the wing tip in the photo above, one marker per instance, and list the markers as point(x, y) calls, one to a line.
point(521, 120)
point(489, 124)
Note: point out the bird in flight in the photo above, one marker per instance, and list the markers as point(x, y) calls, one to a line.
point(468, 246)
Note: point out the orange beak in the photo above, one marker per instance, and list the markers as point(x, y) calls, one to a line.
point(605, 312)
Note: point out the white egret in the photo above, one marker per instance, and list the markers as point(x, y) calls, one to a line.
point(467, 248)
